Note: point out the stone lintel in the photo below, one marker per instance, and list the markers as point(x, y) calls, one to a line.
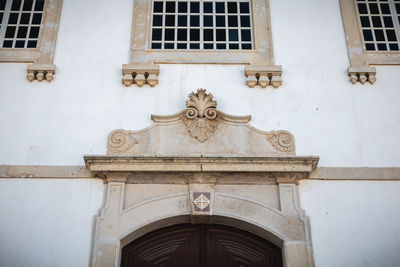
point(40, 72)
point(263, 75)
point(140, 74)
point(286, 169)
point(362, 74)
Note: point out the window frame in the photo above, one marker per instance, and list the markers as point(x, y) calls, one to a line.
point(44, 51)
point(358, 55)
point(141, 52)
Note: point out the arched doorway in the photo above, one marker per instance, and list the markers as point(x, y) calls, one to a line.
point(201, 245)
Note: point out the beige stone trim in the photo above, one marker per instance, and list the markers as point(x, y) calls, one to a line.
point(320, 173)
point(263, 76)
point(43, 56)
point(362, 74)
point(141, 52)
point(140, 74)
point(358, 56)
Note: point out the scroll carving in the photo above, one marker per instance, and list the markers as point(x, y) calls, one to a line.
point(282, 140)
point(120, 141)
point(200, 116)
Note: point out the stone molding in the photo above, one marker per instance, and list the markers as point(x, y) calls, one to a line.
point(263, 76)
point(362, 74)
point(320, 173)
point(140, 74)
point(42, 57)
point(141, 52)
point(200, 129)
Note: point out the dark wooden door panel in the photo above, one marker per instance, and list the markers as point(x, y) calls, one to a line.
point(194, 245)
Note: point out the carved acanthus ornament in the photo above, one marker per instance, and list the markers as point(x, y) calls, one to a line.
point(200, 116)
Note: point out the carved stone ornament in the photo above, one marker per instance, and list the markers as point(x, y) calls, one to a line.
point(203, 130)
point(201, 201)
point(200, 117)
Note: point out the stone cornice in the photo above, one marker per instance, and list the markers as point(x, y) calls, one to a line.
point(287, 169)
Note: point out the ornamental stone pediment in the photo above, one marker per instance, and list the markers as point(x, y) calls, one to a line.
point(200, 130)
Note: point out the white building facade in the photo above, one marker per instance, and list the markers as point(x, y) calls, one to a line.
point(344, 173)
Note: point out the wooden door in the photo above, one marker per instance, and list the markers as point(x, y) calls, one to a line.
point(196, 245)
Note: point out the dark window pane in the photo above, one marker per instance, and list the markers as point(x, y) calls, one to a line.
point(155, 46)
point(221, 46)
point(157, 20)
point(233, 46)
point(37, 18)
point(245, 21)
point(19, 44)
point(32, 44)
point(208, 7)
point(365, 22)
point(39, 5)
point(182, 34)
point(34, 33)
point(27, 5)
point(373, 8)
point(370, 47)
point(208, 21)
point(220, 21)
point(246, 46)
point(1, 18)
point(25, 18)
point(391, 35)
point(233, 35)
point(156, 34)
point(13, 18)
point(244, 8)
point(170, 20)
point(379, 35)
point(16, 5)
point(195, 21)
point(194, 7)
point(232, 7)
point(182, 20)
point(158, 6)
point(10, 32)
point(7, 44)
point(169, 34)
point(2, 4)
point(376, 21)
point(382, 47)
point(22, 31)
point(388, 21)
point(182, 46)
point(385, 9)
point(208, 35)
point(367, 35)
point(246, 35)
point(208, 46)
point(170, 7)
point(194, 35)
point(221, 35)
point(394, 47)
point(169, 46)
point(220, 7)
point(194, 46)
point(362, 9)
point(398, 8)
point(232, 21)
point(182, 7)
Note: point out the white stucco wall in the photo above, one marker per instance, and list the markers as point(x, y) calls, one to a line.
point(353, 223)
point(56, 123)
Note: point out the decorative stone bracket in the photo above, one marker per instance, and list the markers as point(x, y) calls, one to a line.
point(263, 76)
point(140, 74)
point(362, 74)
point(40, 72)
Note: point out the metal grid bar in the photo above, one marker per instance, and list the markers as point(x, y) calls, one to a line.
point(182, 19)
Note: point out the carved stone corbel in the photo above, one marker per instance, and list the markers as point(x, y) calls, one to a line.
point(41, 72)
point(263, 76)
point(362, 74)
point(140, 74)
